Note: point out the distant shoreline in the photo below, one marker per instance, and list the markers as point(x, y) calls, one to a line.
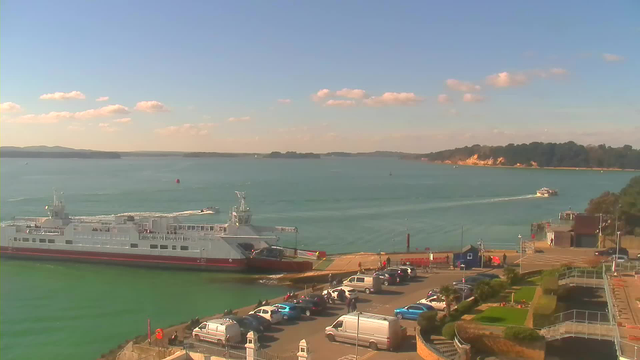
point(529, 167)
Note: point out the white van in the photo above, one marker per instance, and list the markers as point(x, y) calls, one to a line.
point(375, 331)
point(219, 331)
point(368, 283)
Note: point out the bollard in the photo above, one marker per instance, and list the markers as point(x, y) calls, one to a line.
point(303, 351)
point(251, 346)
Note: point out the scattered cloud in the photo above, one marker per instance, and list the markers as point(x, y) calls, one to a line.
point(102, 98)
point(106, 127)
point(612, 57)
point(151, 106)
point(9, 107)
point(123, 120)
point(458, 85)
point(55, 117)
point(321, 94)
point(393, 99)
point(239, 119)
point(352, 93)
point(505, 79)
point(472, 98)
point(186, 129)
point(74, 95)
point(340, 103)
point(284, 101)
point(444, 99)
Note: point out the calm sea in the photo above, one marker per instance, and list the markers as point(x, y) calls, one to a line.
point(73, 311)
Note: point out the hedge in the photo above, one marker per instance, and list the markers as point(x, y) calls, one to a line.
point(449, 331)
point(546, 305)
point(549, 284)
point(519, 333)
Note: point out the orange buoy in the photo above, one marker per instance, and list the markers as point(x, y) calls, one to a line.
point(177, 181)
point(159, 334)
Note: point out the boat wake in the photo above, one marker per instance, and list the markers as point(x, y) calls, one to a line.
point(147, 214)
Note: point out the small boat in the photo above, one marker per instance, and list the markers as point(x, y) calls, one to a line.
point(210, 210)
point(546, 192)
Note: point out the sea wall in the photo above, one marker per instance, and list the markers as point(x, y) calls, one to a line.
point(484, 338)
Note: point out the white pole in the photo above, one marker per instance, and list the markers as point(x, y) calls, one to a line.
point(520, 238)
point(357, 335)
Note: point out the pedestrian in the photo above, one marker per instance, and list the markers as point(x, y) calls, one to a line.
point(349, 300)
point(504, 259)
point(388, 261)
point(354, 307)
point(447, 259)
point(359, 265)
point(330, 279)
point(384, 264)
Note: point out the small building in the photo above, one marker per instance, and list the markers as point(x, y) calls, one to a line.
point(560, 236)
point(470, 257)
point(586, 229)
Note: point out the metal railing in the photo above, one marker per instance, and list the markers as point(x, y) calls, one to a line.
point(582, 277)
point(625, 349)
point(583, 316)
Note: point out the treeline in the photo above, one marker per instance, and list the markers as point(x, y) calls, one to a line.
point(60, 154)
point(567, 154)
point(624, 205)
point(291, 155)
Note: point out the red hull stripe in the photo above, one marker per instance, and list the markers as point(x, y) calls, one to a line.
point(71, 254)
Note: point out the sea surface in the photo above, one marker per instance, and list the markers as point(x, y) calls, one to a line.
point(57, 310)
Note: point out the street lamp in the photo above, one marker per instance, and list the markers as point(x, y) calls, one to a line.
point(520, 239)
point(481, 246)
point(464, 284)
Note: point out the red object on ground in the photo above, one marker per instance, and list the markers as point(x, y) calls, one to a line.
point(177, 181)
point(159, 334)
point(533, 236)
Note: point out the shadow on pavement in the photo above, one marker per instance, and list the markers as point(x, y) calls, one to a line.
point(273, 330)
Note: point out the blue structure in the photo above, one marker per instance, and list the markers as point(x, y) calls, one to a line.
point(470, 257)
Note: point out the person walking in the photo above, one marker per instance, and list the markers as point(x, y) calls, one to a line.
point(504, 259)
point(349, 300)
point(354, 307)
point(388, 261)
point(330, 280)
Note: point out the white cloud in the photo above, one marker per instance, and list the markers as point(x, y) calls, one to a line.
point(340, 103)
point(352, 93)
point(102, 98)
point(444, 98)
point(393, 98)
point(186, 129)
point(505, 79)
point(321, 94)
point(9, 107)
point(612, 57)
point(77, 95)
point(458, 85)
point(151, 106)
point(472, 98)
point(123, 120)
point(54, 117)
point(239, 119)
point(284, 101)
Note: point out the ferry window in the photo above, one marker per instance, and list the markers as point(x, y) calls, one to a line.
point(33, 240)
point(42, 241)
point(68, 242)
point(173, 247)
point(153, 246)
point(51, 241)
point(164, 247)
point(184, 247)
point(133, 246)
point(25, 239)
point(15, 239)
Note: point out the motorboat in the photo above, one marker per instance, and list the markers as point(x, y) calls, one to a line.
point(210, 210)
point(546, 192)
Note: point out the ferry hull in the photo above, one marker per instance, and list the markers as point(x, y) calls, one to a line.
point(173, 262)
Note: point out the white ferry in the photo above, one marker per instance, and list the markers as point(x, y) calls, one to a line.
point(546, 192)
point(155, 241)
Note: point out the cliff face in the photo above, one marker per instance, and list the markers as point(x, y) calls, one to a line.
point(476, 161)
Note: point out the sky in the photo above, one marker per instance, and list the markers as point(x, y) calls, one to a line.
point(261, 76)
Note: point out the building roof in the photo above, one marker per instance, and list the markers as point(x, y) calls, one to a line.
point(469, 247)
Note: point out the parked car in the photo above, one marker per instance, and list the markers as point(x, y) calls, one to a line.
point(342, 293)
point(470, 280)
point(289, 311)
point(465, 291)
point(387, 277)
point(317, 297)
point(247, 325)
point(309, 306)
point(368, 283)
point(270, 313)
point(436, 302)
point(376, 331)
point(219, 331)
point(266, 324)
point(489, 276)
point(413, 273)
point(403, 274)
point(412, 311)
point(620, 259)
point(612, 251)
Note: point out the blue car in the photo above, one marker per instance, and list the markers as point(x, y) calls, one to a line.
point(289, 311)
point(412, 311)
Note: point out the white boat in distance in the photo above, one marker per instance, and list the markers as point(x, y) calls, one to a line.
point(546, 192)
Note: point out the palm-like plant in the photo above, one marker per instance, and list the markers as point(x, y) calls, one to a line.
point(448, 294)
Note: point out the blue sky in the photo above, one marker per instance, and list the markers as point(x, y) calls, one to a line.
point(208, 75)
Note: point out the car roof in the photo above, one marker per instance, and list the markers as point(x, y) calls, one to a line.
point(267, 307)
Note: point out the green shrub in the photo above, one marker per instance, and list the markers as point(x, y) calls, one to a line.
point(511, 275)
point(545, 305)
point(465, 307)
point(549, 284)
point(518, 333)
point(428, 321)
point(483, 291)
point(498, 286)
point(449, 331)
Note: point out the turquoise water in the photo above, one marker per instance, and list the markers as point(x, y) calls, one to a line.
point(78, 311)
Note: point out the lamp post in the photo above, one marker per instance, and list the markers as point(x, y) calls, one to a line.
point(464, 284)
point(481, 245)
point(520, 239)
point(357, 334)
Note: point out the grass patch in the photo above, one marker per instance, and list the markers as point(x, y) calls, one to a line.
point(323, 264)
point(525, 293)
point(502, 316)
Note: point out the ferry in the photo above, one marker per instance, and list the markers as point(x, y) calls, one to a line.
point(162, 241)
point(546, 192)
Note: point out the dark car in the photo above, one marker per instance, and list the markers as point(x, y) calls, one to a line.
point(471, 280)
point(309, 306)
point(402, 274)
point(612, 251)
point(265, 323)
point(489, 276)
point(387, 277)
point(246, 324)
point(317, 297)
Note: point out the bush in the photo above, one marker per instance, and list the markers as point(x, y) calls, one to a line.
point(465, 307)
point(498, 286)
point(449, 331)
point(483, 291)
point(518, 333)
point(428, 322)
point(549, 284)
point(512, 275)
point(546, 305)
